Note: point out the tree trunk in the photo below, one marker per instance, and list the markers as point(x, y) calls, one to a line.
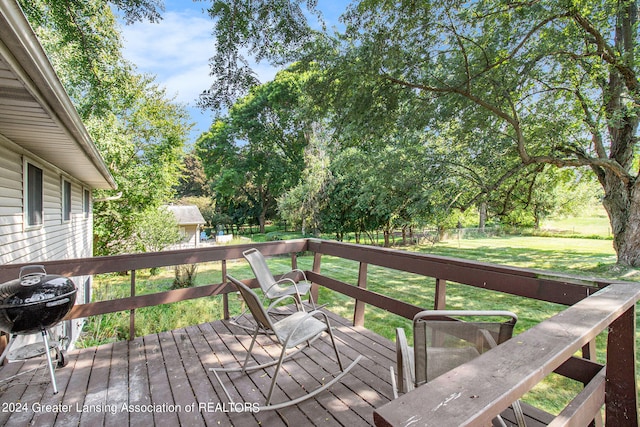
point(386, 234)
point(262, 220)
point(622, 204)
point(622, 198)
point(483, 215)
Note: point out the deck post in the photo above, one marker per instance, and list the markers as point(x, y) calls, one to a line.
point(132, 312)
point(589, 353)
point(440, 302)
point(621, 391)
point(317, 259)
point(225, 296)
point(358, 310)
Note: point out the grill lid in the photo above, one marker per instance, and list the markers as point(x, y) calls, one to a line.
point(35, 300)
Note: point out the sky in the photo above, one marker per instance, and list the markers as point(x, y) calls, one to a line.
point(177, 50)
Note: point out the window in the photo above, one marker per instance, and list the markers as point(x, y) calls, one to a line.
point(34, 195)
point(66, 200)
point(86, 203)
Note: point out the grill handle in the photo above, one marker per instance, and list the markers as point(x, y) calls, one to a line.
point(38, 270)
point(57, 302)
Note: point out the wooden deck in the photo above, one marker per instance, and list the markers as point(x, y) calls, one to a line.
point(164, 379)
point(167, 376)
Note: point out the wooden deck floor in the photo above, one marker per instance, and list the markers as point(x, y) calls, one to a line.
point(164, 380)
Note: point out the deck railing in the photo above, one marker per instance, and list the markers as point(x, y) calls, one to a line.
point(473, 393)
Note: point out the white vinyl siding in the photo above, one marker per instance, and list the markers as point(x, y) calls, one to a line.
point(55, 239)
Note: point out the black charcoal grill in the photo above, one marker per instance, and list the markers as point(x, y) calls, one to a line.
point(35, 302)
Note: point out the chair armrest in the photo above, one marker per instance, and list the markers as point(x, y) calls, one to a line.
point(296, 270)
point(299, 305)
point(293, 295)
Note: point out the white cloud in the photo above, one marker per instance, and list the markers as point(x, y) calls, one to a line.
point(176, 50)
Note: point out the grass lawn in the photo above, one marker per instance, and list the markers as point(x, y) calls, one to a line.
point(593, 225)
point(580, 256)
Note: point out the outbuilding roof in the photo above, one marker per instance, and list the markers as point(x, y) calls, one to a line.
point(186, 214)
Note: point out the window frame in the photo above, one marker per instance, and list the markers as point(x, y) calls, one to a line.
point(66, 199)
point(33, 195)
point(86, 202)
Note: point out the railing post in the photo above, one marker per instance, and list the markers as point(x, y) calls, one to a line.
point(589, 353)
point(620, 392)
point(440, 300)
point(317, 258)
point(225, 296)
point(358, 311)
point(132, 312)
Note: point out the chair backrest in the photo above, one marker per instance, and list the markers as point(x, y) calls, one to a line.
point(253, 303)
point(260, 268)
point(442, 341)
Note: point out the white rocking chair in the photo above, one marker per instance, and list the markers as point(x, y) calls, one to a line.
point(290, 332)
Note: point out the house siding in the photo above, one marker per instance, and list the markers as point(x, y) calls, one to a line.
point(55, 239)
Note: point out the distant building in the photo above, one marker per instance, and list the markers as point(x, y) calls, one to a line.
point(190, 221)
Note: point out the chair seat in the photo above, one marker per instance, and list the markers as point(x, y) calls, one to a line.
point(310, 328)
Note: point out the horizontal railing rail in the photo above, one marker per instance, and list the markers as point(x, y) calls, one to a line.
point(539, 285)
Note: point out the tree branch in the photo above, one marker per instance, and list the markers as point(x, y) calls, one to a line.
point(608, 53)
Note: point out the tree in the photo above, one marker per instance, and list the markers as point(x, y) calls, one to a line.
point(138, 130)
point(303, 204)
point(270, 30)
point(257, 152)
point(193, 182)
point(155, 230)
point(560, 78)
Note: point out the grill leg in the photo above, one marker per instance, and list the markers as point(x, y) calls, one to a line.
point(48, 353)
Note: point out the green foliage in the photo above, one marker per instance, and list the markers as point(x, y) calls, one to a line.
point(301, 206)
point(503, 88)
point(155, 230)
point(255, 154)
point(185, 276)
point(138, 130)
point(241, 26)
point(193, 180)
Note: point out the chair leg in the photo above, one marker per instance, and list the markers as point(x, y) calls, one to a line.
point(335, 348)
point(253, 341)
point(275, 375)
point(517, 410)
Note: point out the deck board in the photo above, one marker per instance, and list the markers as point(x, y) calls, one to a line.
point(172, 369)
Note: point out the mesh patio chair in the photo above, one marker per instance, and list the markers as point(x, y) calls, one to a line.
point(291, 332)
point(273, 289)
point(443, 341)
